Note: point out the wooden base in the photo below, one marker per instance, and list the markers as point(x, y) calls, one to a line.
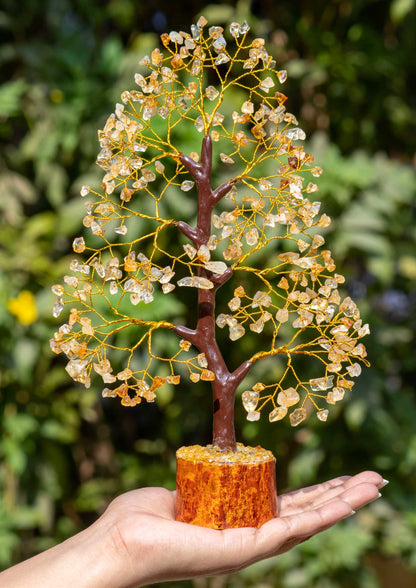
point(223, 490)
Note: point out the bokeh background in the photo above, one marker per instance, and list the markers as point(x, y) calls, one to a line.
point(64, 451)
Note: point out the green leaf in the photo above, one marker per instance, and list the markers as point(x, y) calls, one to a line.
point(362, 218)
point(10, 94)
point(14, 455)
point(368, 242)
point(407, 266)
point(70, 217)
point(218, 13)
point(58, 431)
point(355, 414)
point(8, 543)
point(55, 180)
point(25, 357)
point(20, 425)
point(399, 9)
point(93, 494)
point(111, 54)
point(304, 466)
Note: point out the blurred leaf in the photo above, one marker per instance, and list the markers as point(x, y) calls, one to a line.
point(93, 494)
point(111, 54)
point(55, 180)
point(342, 546)
point(14, 455)
point(407, 267)
point(59, 432)
point(399, 9)
point(15, 190)
point(20, 425)
point(304, 466)
point(218, 13)
point(70, 217)
point(10, 94)
point(355, 414)
point(366, 242)
point(25, 356)
point(8, 542)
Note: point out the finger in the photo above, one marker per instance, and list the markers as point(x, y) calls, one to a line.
point(306, 496)
point(241, 547)
point(278, 534)
point(360, 495)
point(366, 477)
point(357, 495)
point(294, 502)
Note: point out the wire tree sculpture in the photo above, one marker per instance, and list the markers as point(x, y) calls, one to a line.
point(294, 297)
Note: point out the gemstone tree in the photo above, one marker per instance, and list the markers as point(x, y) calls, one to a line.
point(261, 210)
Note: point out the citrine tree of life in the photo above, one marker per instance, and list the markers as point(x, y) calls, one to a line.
point(294, 298)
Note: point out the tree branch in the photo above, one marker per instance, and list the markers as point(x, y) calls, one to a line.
point(220, 279)
point(240, 373)
point(186, 333)
point(221, 191)
point(201, 172)
point(190, 232)
point(206, 157)
point(195, 169)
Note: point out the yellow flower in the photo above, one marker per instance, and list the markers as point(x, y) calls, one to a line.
point(24, 307)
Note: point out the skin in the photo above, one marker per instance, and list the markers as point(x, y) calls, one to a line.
point(137, 541)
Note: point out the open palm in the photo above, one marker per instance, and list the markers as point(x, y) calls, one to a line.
point(155, 547)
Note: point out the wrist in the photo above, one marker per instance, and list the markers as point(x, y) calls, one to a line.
point(96, 561)
point(120, 567)
point(87, 560)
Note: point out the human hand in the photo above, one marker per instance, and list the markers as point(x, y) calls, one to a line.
point(137, 540)
point(150, 546)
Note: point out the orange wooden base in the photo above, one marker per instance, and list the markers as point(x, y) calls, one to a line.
point(223, 490)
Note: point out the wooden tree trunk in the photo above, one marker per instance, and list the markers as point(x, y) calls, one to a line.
point(203, 336)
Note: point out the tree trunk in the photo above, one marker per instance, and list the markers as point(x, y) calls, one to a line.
point(203, 336)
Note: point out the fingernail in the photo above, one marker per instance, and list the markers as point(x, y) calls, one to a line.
point(379, 495)
point(385, 482)
point(353, 512)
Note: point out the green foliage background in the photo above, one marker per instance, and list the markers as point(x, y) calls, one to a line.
point(65, 452)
